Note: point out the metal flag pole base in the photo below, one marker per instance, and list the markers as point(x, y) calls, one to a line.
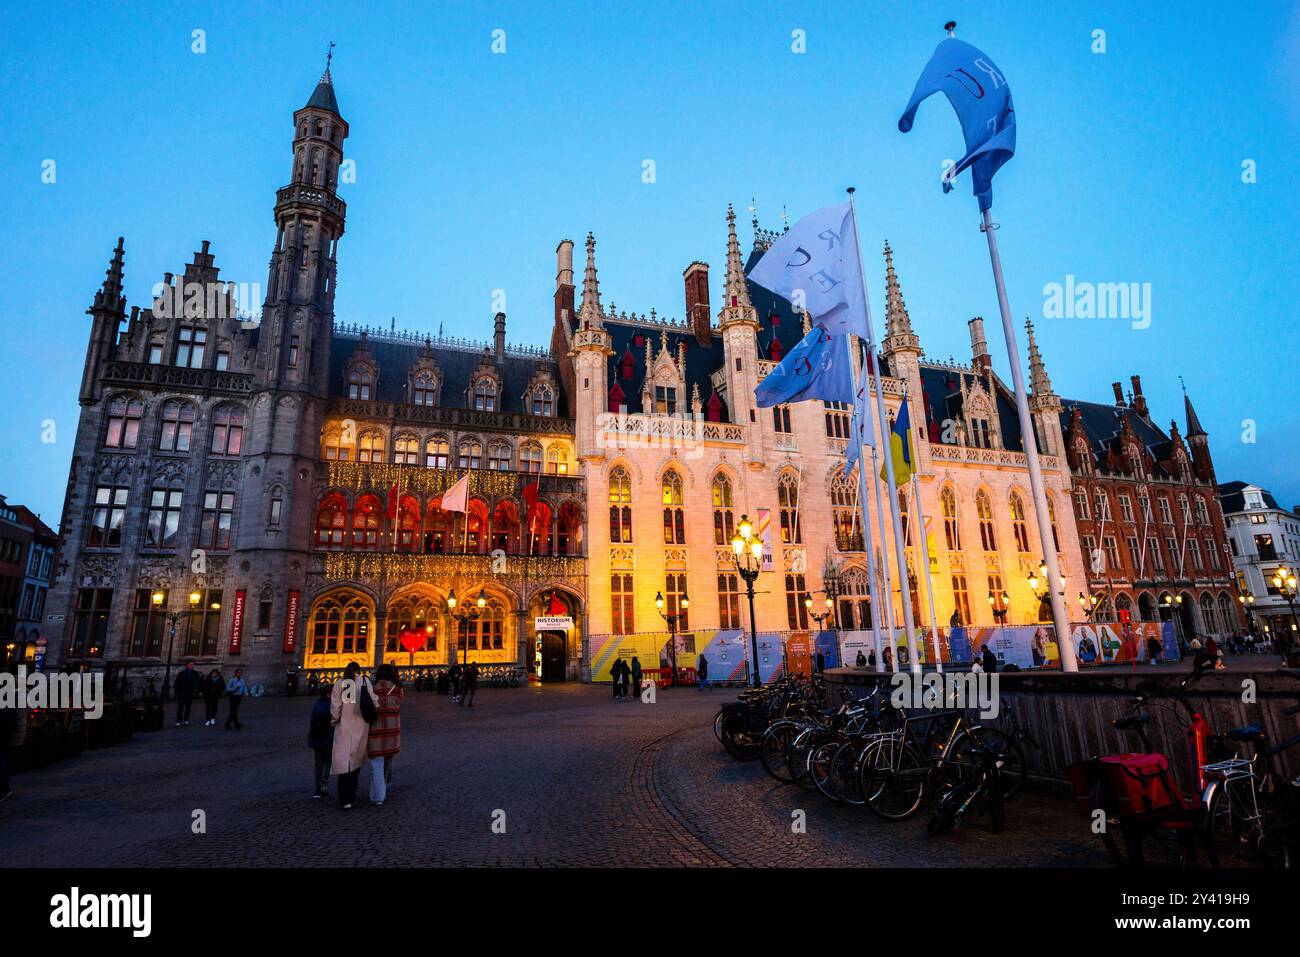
point(1060, 618)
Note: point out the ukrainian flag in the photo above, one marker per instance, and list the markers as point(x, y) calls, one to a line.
point(900, 448)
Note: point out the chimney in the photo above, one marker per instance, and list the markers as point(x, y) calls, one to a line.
point(1119, 393)
point(564, 280)
point(1139, 400)
point(696, 278)
point(979, 347)
point(499, 336)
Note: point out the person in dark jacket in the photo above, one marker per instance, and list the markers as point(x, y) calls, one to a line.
point(821, 662)
point(212, 688)
point(702, 672)
point(455, 675)
point(320, 738)
point(861, 660)
point(989, 660)
point(186, 687)
point(616, 677)
point(1153, 650)
point(469, 683)
point(636, 676)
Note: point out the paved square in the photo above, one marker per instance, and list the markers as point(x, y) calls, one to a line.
point(581, 781)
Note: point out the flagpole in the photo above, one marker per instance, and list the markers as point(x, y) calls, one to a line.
point(900, 555)
point(884, 565)
point(1060, 617)
point(929, 584)
point(863, 500)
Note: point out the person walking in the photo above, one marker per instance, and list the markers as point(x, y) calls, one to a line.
point(469, 683)
point(821, 662)
point(616, 677)
point(385, 738)
point(989, 660)
point(235, 691)
point(212, 688)
point(702, 672)
point(455, 675)
point(1153, 650)
point(320, 738)
point(636, 676)
point(186, 687)
point(351, 731)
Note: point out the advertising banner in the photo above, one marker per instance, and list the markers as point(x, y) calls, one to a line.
point(291, 624)
point(798, 654)
point(1119, 642)
point(237, 622)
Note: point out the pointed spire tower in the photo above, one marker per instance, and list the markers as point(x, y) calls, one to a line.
point(899, 336)
point(590, 352)
point(589, 313)
point(736, 304)
point(106, 315)
point(1044, 404)
point(1198, 441)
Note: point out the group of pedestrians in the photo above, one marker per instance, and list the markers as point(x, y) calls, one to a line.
point(624, 674)
point(355, 723)
point(464, 682)
point(190, 684)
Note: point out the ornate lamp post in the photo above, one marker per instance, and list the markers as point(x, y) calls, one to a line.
point(1089, 604)
point(830, 609)
point(172, 617)
point(672, 618)
point(1247, 602)
point(463, 617)
point(999, 605)
point(1284, 580)
point(747, 553)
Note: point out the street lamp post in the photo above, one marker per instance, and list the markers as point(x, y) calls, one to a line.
point(1247, 601)
point(672, 618)
point(464, 617)
point(1089, 604)
point(747, 553)
point(830, 608)
point(1043, 594)
point(998, 603)
point(172, 617)
point(1284, 580)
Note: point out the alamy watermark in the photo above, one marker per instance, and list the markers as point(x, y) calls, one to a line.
point(952, 689)
point(83, 691)
point(1075, 299)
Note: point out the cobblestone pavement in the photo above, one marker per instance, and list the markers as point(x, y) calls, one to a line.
point(581, 781)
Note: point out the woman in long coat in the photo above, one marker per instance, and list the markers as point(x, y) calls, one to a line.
point(385, 738)
point(351, 732)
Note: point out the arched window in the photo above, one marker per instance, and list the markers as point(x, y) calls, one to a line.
point(904, 517)
point(1051, 517)
point(338, 447)
point(476, 527)
point(177, 425)
point(724, 522)
point(1207, 613)
point(530, 458)
point(423, 388)
point(124, 416)
point(406, 451)
point(471, 454)
point(499, 457)
point(487, 632)
point(1202, 513)
point(360, 382)
point(438, 529)
point(407, 535)
point(1227, 617)
point(787, 497)
point(437, 452)
point(674, 513)
point(984, 511)
point(485, 395)
point(370, 447)
point(542, 401)
point(620, 506)
point(557, 459)
point(1018, 527)
point(331, 522)
point(227, 430)
point(951, 521)
point(340, 624)
point(1185, 509)
point(844, 505)
point(505, 527)
point(419, 612)
point(568, 530)
point(366, 520)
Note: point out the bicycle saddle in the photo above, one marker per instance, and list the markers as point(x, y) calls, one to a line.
point(1251, 732)
point(1131, 722)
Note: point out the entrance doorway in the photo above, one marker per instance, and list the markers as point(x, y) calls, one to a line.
point(554, 666)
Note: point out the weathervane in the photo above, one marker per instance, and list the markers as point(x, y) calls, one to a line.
point(329, 55)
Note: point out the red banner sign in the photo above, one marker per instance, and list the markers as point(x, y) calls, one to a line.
point(291, 624)
point(237, 622)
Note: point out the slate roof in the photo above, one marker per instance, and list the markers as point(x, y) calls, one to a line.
point(1103, 426)
point(395, 360)
point(1233, 498)
point(323, 96)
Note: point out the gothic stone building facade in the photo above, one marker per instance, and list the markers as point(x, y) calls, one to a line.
point(289, 474)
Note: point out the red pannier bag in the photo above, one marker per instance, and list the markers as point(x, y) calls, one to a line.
point(1141, 783)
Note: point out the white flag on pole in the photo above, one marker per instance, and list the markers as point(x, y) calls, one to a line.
point(456, 498)
point(816, 267)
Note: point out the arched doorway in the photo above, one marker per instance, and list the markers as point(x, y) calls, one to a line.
point(554, 621)
point(1146, 607)
point(1187, 616)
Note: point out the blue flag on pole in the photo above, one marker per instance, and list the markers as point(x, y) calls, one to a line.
point(979, 93)
point(815, 266)
point(861, 431)
point(817, 368)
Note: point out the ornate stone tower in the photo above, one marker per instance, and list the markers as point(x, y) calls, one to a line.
point(1044, 404)
point(1199, 442)
point(106, 316)
point(738, 323)
point(591, 349)
point(901, 348)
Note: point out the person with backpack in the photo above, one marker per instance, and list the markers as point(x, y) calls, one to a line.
point(212, 687)
point(352, 709)
point(385, 738)
point(320, 738)
point(469, 683)
point(636, 676)
point(235, 691)
point(186, 687)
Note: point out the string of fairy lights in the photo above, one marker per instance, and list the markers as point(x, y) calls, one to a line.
point(426, 481)
point(378, 565)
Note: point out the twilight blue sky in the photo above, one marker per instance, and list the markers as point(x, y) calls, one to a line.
point(472, 166)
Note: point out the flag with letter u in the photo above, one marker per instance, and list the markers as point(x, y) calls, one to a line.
point(815, 266)
point(900, 448)
point(981, 97)
point(817, 368)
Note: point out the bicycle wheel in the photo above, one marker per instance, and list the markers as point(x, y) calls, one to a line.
point(845, 779)
point(1226, 812)
point(946, 813)
point(893, 778)
point(797, 757)
point(819, 767)
point(740, 744)
point(962, 763)
point(775, 746)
